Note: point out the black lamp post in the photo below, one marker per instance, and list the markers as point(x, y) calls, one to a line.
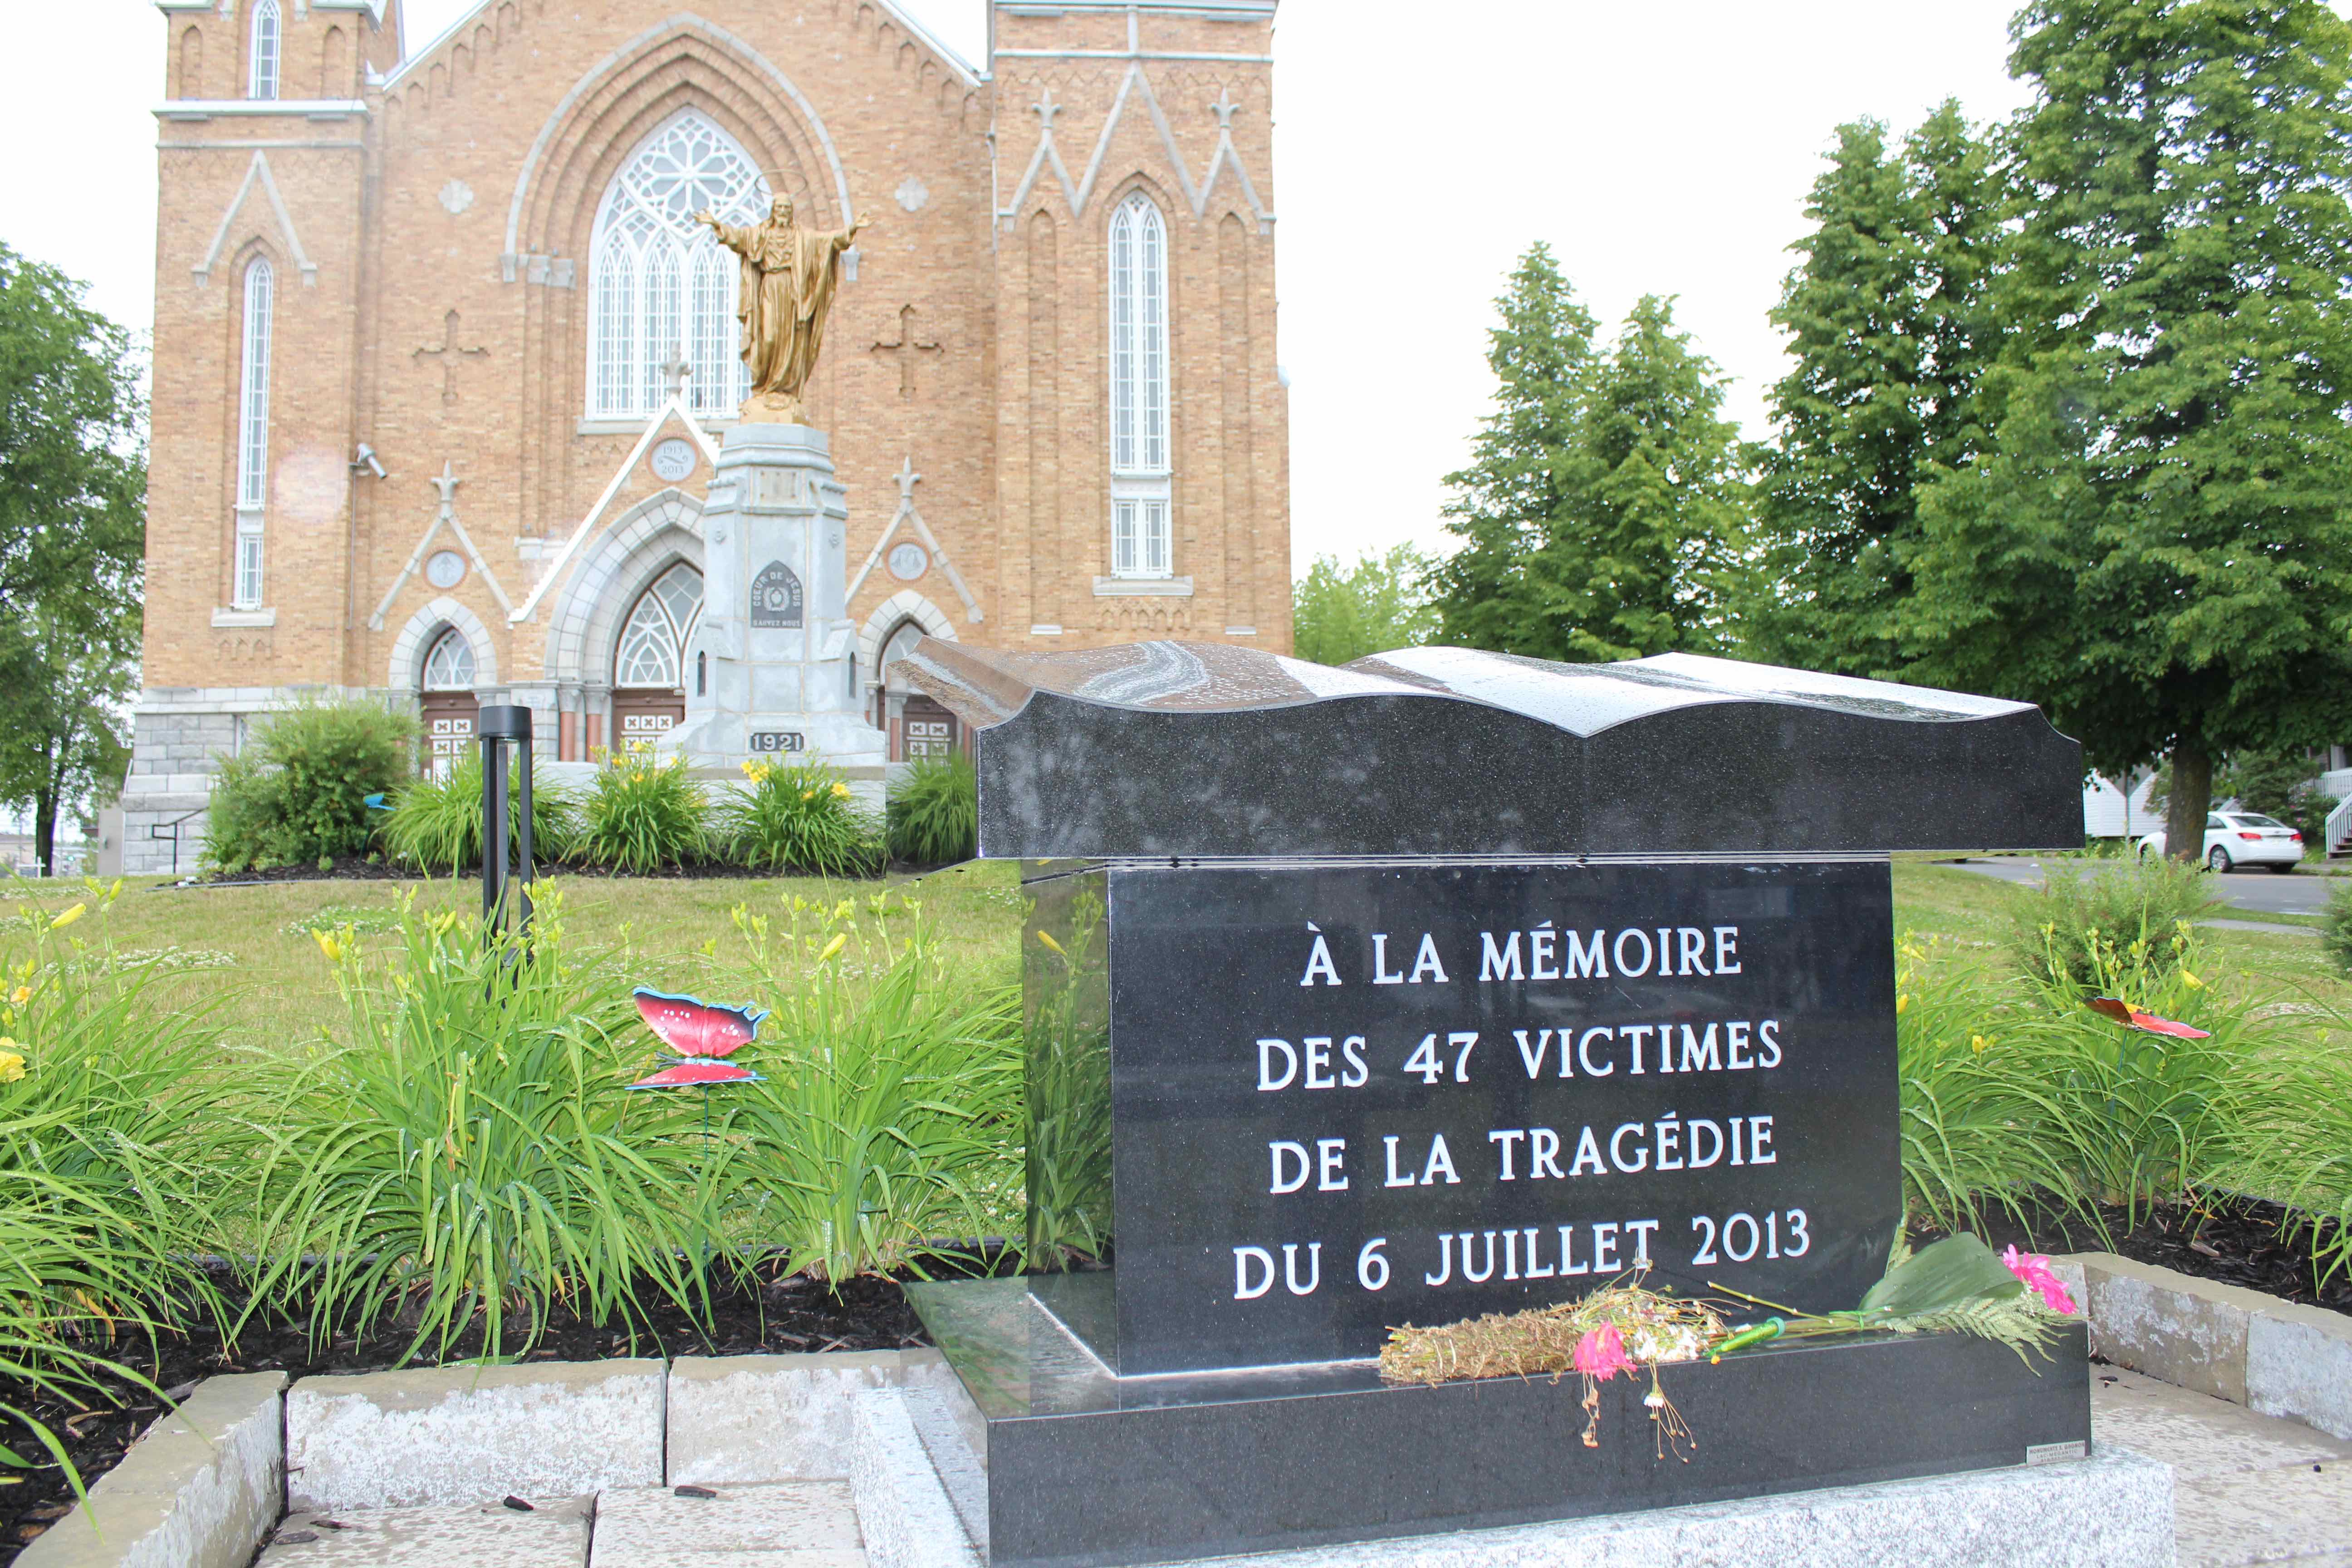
point(504, 731)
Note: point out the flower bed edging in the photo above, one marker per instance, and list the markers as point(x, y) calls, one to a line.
point(201, 1488)
point(2273, 1357)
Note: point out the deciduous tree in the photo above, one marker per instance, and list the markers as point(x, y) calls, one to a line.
point(2158, 547)
point(1342, 613)
point(73, 481)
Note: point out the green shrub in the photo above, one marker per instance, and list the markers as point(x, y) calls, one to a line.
point(2145, 903)
point(933, 811)
point(467, 1155)
point(644, 814)
point(890, 1112)
point(796, 818)
point(2010, 1089)
point(2335, 925)
point(110, 1143)
point(436, 823)
point(299, 793)
point(2292, 1139)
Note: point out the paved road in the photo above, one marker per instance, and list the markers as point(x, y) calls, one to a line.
point(2266, 891)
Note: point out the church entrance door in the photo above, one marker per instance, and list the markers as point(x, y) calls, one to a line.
point(640, 714)
point(927, 731)
point(448, 706)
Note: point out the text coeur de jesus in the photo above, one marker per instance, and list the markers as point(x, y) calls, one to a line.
point(1568, 1154)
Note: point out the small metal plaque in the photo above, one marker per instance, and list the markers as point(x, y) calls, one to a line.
point(2055, 1453)
point(776, 597)
point(770, 741)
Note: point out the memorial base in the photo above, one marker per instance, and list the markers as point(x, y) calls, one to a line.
point(1084, 1468)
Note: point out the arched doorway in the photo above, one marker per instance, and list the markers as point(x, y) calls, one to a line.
point(650, 662)
point(918, 726)
point(447, 702)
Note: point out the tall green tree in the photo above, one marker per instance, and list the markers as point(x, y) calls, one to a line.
point(1890, 328)
point(1381, 602)
point(73, 481)
point(1601, 515)
point(1515, 494)
point(2157, 548)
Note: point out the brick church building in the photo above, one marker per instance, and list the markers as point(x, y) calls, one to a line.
point(441, 360)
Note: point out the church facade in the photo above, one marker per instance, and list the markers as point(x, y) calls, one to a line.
point(441, 358)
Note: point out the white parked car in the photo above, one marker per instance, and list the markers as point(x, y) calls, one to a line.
point(2235, 839)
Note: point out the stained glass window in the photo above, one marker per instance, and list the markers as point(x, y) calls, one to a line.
point(450, 666)
point(1141, 535)
point(653, 639)
point(262, 78)
point(662, 285)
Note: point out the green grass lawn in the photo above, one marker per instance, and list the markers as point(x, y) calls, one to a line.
point(249, 949)
point(250, 952)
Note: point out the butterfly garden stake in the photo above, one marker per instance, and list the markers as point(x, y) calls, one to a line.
point(702, 1037)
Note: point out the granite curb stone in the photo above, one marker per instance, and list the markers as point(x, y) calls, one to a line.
point(2273, 1356)
point(455, 1436)
point(807, 1525)
point(902, 1507)
point(751, 1419)
point(554, 1534)
point(200, 1488)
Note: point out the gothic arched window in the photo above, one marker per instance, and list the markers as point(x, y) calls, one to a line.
point(653, 640)
point(253, 432)
point(262, 60)
point(662, 284)
point(1141, 531)
point(450, 666)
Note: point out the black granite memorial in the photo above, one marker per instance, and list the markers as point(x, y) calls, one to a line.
point(1444, 985)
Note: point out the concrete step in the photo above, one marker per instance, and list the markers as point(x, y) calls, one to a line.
point(491, 1535)
point(794, 1524)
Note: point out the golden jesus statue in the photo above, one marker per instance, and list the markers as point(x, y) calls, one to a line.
point(786, 290)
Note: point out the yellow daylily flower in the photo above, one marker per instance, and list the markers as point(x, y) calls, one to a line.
point(19, 996)
point(2194, 983)
point(835, 945)
point(329, 946)
point(1900, 1002)
point(12, 1063)
point(70, 916)
point(1047, 938)
point(841, 791)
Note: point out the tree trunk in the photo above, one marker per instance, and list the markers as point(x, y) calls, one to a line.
point(45, 831)
point(2192, 798)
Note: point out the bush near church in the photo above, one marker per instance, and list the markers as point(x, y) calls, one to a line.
point(297, 795)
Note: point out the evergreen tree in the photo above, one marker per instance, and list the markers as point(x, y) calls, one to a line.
point(1341, 614)
point(1514, 494)
point(1601, 513)
point(2158, 549)
point(1890, 329)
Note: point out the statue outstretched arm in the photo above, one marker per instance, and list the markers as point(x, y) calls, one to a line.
point(848, 237)
point(733, 238)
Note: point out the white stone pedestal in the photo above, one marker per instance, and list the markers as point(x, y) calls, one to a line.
point(770, 672)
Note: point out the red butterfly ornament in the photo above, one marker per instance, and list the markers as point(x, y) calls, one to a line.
point(2125, 1013)
point(701, 1034)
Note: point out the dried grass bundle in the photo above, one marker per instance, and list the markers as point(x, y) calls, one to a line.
point(1654, 1328)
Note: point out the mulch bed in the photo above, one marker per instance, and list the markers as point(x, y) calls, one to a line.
point(2229, 1240)
point(782, 1316)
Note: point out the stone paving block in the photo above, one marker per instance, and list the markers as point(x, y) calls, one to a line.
point(198, 1490)
point(744, 1420)
point(2299, 1364)
point(2190, 1332)
point(2199, 1435)
point(404, 1439)
point(480, 1535)
point(2265, 1516)
point(796, 1524)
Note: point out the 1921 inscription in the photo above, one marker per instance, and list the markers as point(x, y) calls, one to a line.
point(1349, 1097)
point(768, 742)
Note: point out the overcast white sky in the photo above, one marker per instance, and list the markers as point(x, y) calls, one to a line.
point(1420, 149)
